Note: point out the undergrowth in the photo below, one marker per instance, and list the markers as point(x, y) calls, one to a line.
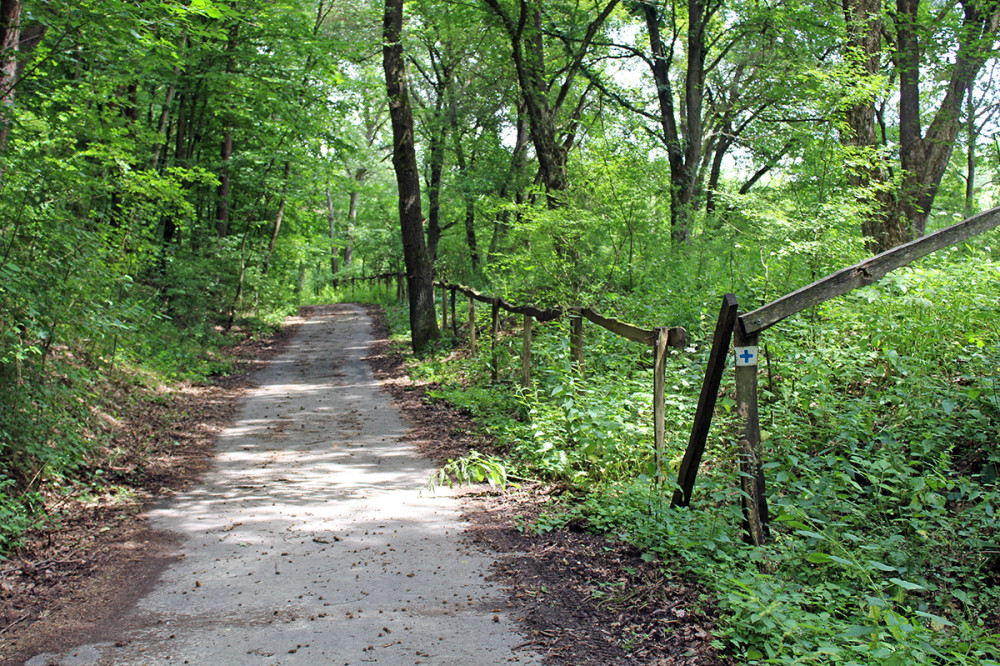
point(59, 411)
point(880, 414)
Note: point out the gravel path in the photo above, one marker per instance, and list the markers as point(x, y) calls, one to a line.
point(313, 540)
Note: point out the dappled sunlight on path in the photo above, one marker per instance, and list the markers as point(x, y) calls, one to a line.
point(314, 539)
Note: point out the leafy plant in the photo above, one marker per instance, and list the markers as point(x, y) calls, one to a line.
point(469, 469)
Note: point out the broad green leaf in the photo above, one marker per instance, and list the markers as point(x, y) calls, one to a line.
point(811, 535)
point(935, 619)
point(906, 585)
point(880, 566)
point(858, 630)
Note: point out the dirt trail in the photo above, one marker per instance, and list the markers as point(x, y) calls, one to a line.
point(313, 539)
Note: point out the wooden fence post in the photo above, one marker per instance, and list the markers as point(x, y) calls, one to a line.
point(754, 499)
point(576, 340)
point(454, 319)
point(717, 361)
point(659, 398)
point(472, 324)
point(526, 352)
point(444, 307)
point(677, 337)
point(495, 331)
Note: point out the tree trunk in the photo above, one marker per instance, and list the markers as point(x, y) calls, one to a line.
point(525, 32)
point(352, 218)
point(436, 170)
point(467, 196)
point(897, 217)
point(161, 130)
point(278, 218)
point(866, 167)
point(518, 161)
point(10, 37)
point(694, 135)
point(683, 145)
point(971, 133)
point(715, 173)
point(333, 235)
point(180, 133)
point(924, 159)
point(223, 192)
point(238, 298)
point(423, 322)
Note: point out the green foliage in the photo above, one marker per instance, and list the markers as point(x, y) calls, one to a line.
point(469, 469)
point(880, 418)
point(19, 512)
point(111, 257)
point(129, 237)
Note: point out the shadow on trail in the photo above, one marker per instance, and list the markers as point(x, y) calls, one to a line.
point(313, 539)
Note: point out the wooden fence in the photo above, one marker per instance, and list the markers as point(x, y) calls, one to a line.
point(383, 281)
point(733, 326)
point(660, 339)
point(745, 329)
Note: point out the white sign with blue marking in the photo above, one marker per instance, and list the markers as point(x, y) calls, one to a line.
point(746, 356)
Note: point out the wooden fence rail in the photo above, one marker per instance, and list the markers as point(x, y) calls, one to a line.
point(732, 325)
point(658, 338)
point(866, 272)
point(745, 328)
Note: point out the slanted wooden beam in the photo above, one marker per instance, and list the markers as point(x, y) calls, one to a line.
point(717, 361)
point(866, 272)
point(627, 331)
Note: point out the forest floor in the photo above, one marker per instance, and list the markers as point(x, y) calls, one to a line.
point(578, 598)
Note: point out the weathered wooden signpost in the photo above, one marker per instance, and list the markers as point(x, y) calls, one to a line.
point(753, 495)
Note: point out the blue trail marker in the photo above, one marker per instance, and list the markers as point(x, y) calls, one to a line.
point(746, 356)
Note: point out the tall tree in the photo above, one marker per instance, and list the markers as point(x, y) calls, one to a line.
point(10, 37)
point(419, 276)
point(715, 72)
point(546, 90)
point(917, 38)
point(924, 156)
point(982, 109)
point(867, 169)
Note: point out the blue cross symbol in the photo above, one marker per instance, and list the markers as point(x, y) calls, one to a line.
point(747, 355)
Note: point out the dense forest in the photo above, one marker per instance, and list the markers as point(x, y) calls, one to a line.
point(176, 173)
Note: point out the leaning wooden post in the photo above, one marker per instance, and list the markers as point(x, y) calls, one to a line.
point(717, 361)
point(526, 352)
point(495, 331)
point(576, 340)
point(751, 471)
point(659, 399)
point(472, 324)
